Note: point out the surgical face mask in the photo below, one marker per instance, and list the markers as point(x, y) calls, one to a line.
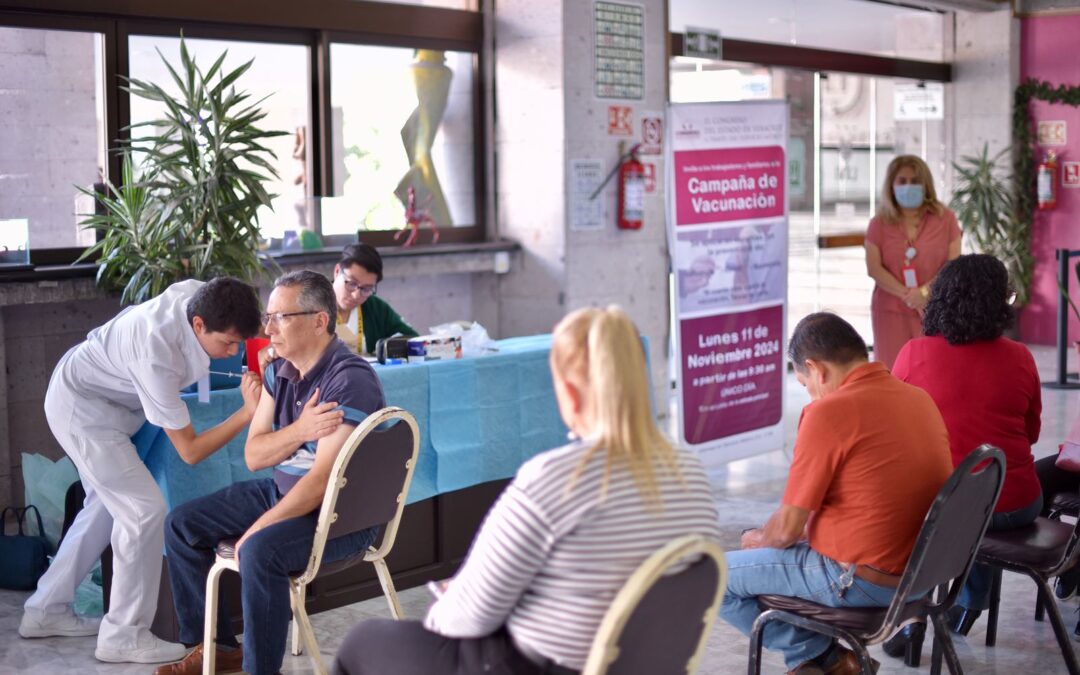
point(909, 196)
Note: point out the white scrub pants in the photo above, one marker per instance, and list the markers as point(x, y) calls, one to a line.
point(123, 505)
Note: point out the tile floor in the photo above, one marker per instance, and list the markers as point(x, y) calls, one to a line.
point(747, 491)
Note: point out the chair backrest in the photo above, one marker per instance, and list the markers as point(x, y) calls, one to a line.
point(369, 482)
point(659, 621)
point(952, 530)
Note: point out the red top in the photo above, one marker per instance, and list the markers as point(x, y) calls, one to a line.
point(931, 253)
point(868, 477)
point(988, 392)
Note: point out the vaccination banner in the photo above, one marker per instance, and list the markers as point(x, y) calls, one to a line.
point(727, 233)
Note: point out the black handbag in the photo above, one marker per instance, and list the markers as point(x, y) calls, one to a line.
point(23, 557)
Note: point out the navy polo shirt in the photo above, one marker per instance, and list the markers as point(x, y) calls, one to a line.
point(340, 376)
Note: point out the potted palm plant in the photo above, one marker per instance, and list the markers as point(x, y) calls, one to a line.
point(191, 186)
point(986, 209)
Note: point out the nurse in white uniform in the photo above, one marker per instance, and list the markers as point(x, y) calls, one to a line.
point(128, 371)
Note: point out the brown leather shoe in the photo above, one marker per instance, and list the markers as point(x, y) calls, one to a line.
point(843, 662)
point(847, 663)
point(226, 662)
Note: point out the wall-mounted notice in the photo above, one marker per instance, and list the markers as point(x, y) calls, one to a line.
point(915, 102)
point(727, 229)
point(1070, 174)
point(584, 177)
point(620, 50)
point(1052, 132)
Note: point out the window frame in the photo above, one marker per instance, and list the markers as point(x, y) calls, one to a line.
point(315, 24)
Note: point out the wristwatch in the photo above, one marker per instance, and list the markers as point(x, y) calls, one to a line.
point(925, 291)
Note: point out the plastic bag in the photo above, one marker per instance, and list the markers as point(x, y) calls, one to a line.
point(47, 483)
point(89, 600)
point(475, 340)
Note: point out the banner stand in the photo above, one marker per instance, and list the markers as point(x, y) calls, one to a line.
point(728, 237)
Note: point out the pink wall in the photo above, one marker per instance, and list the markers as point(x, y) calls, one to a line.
point(1048, 51)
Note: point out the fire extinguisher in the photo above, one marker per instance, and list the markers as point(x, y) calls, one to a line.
point(1046, 182)
point(631, 205)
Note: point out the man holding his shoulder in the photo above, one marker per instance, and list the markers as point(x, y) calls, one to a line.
point(317, 391)
point(870, 457)
point(127, 372)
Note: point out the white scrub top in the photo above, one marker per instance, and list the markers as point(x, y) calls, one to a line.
point(132, 369)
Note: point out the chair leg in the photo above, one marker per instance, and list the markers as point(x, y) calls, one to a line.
point(866, 664)
point(1060, 632)
point(308, 634)
point(387, 584)
point(943, 646)
point(210, 620)
point(296, 597)
point(753, 665)
point(995, 603)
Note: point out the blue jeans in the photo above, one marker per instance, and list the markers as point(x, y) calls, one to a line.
point(192, 530)
point(976, 591)
point(800, 572)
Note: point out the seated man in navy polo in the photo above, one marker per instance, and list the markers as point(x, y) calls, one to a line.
point(319, 391)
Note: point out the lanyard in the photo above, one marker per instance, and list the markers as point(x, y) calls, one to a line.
point(359, 329)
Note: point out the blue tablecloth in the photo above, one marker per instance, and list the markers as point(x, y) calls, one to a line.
point(480, 419)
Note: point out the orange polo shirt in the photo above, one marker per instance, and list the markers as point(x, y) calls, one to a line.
point(869, 459)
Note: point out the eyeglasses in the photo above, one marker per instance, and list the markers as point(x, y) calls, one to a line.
point(352, 287)
point(277, 317)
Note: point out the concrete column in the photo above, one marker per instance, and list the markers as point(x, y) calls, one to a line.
point(548, 115)
point(986, 71)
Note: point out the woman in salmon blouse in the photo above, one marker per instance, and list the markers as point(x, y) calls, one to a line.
point(909, 240)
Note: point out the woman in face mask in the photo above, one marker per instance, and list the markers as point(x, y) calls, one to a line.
point(909, 240)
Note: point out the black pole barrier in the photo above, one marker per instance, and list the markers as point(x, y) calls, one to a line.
point(1063, 255)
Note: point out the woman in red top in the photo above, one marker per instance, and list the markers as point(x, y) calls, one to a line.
point(987, 389)
point(907, 243)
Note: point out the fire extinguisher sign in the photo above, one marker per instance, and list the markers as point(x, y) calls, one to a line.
point(727, 233)
point(1070, 174)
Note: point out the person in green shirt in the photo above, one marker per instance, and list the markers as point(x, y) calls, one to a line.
point(363, 317)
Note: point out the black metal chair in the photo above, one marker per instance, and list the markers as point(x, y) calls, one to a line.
point(1042, 550)
point(660, 620)
point(942, 556)
point(367, 487)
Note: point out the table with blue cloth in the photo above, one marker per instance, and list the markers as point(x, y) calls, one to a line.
point(479, 418)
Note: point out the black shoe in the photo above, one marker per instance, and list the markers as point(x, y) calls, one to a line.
point(907, 643)
point(1065, 585)
point(961, 619)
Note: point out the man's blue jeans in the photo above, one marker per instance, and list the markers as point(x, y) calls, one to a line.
point(192, 530)
point(798, 571)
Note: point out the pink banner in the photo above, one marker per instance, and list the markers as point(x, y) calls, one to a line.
point(732, 373)
point(719, 185)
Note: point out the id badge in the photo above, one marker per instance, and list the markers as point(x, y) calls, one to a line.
point(910, 280)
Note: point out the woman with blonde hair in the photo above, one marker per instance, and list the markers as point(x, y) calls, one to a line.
point(910, 239)
point(567, 532)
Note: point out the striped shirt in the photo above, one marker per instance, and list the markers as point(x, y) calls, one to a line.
point(548, 563)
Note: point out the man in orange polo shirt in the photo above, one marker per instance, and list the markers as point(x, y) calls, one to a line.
point(870, 456)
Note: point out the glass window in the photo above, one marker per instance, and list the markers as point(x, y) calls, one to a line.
point(844, 131)
point(843, 25)
point(279, 80)
point(402, 119)
point(52, 137)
